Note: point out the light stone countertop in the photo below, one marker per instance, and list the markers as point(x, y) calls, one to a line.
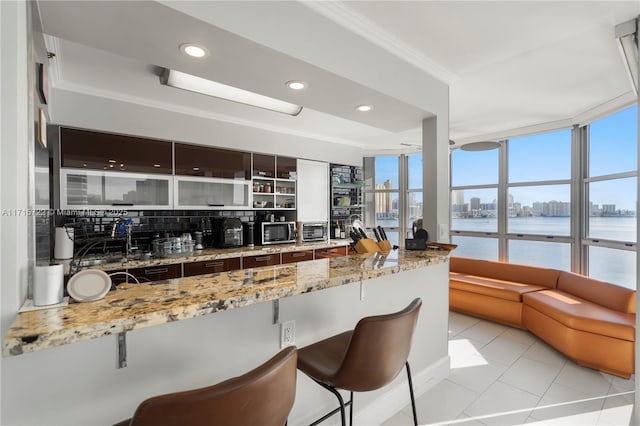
point(135, 306)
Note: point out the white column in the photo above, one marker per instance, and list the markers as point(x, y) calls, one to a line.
point(435, 177)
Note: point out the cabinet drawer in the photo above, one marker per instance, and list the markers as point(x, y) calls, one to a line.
point(257, 261)
point(297, 256)
point(157, 273)
point(331, 252)
point(211, 266)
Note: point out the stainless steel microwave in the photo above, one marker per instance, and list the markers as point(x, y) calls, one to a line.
point(277, 232)
point(313, 231)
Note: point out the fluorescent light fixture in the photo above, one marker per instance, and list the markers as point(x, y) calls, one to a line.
point(194, 50)
point(627, 36)
point(203, 86)
point(364, 108)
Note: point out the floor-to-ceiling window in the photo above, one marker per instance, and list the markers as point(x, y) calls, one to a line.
point(564, 199)
point(393, 194)
point(474, 203)
point(610, 197)
point(539, 199)
point(382, 194)
point(413, 194)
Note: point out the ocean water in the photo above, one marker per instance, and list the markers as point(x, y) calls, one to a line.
point(621, 228)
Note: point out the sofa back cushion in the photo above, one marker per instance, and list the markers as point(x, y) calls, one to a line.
point(609, 295)
point(525, 274)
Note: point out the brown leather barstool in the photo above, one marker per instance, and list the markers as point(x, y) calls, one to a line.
point(364, 359)
point(263, 396)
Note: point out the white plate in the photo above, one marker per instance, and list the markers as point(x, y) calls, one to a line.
point(89, 285)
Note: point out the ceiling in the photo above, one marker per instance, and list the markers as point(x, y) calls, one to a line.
point(511, 67)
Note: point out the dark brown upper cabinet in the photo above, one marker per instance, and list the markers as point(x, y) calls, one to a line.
point(84, 149)
point(264, 165)
point(194, 160)
point(286, 167)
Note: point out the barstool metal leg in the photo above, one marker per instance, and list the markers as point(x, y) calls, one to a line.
point(413, 401)
point(343, 416)
point(350, 408)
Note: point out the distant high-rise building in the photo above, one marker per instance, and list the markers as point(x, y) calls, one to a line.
point(384, 202)
point(608, 209)
point(474, 203)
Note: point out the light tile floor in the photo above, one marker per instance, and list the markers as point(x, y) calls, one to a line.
point(505, 376)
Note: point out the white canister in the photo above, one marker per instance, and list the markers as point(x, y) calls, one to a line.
point(63, 248)
point(48, 285)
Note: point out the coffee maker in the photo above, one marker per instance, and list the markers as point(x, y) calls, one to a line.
point(207, 232)
point(227, 232)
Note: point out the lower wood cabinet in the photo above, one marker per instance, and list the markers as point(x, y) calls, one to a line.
point(297, 256)
point(263, 260)
point(330, 252)
point(211, 266)
point(157, 273)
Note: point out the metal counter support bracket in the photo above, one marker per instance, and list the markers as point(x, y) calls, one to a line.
point(122, 349)
point(276, 311)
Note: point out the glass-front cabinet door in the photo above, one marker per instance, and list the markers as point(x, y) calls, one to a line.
point(211, 193)
point(93, 189)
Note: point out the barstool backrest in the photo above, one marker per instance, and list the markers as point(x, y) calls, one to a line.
point(263, 396)
point(378, 350)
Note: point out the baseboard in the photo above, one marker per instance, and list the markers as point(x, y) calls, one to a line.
point(397, 397)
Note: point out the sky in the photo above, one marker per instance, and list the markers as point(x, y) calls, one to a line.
point(547, 156)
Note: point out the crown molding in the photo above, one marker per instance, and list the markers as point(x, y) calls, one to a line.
point(166, 106)
point(343, 15)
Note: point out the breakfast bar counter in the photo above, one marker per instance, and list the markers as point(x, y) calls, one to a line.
point(137, 306)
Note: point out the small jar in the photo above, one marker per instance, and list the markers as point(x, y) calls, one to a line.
point(267, 187)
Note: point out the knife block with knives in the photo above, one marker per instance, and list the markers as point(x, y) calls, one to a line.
point(364, 244)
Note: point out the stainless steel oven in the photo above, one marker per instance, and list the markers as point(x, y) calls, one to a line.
point(277, 232)
point(314, 231)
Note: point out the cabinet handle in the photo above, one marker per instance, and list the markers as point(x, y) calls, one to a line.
point(331, 251)
point(263, 259)
point(215, 205)
point(122, 204)
point(213, 264)
point(299, 254)
point(156, 271)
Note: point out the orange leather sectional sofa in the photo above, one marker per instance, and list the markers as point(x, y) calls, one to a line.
point(590, 321)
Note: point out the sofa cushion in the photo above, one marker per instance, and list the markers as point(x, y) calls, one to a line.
point(600, 292)
point(510, 272)
point(507, 290)
point(581, 314)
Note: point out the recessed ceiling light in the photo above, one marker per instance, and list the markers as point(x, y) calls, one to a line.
point(194, 50)
point(364, 108)
point(113, 161)
point(195, 169)
point(296, 85)
point(156, 165)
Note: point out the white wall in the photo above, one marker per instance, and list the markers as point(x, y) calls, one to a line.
point(92, 112)
point(14, 141)
point(79, 384)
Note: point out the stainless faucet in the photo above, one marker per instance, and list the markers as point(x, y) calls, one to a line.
point(124, 226)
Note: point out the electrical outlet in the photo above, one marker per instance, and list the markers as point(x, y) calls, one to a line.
point(287, 334)
point(443, 231)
